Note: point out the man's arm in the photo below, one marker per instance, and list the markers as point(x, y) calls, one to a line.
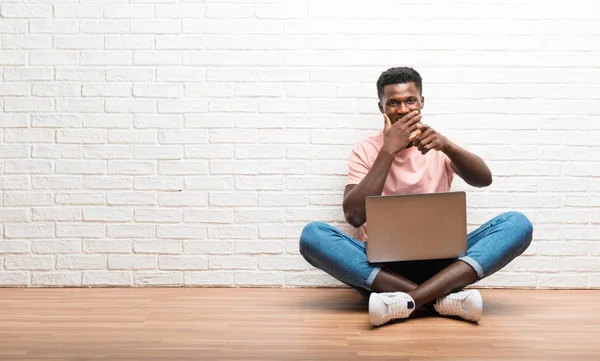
point(371, 185)
point(396, 138)
point(465, 164)
point(468, 166)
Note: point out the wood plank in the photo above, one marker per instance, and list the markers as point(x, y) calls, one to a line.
point(286, 324)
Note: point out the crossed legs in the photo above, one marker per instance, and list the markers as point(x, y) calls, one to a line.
point(490, 247)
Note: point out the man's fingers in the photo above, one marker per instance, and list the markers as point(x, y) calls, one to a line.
point(387, 123)
point(429, 143)
point(427, 132)
point(408, 118)
point(423, 133)
point(414, 135)
point(414, 120)
point(425, 142)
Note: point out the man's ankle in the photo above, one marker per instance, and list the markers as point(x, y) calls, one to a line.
point(429, 307)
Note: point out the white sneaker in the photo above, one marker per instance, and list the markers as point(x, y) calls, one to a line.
point(384, 307)
point(465, 304)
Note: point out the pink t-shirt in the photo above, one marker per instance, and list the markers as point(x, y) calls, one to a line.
point(411, 172)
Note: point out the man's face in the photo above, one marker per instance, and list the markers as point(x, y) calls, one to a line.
point(400, 99)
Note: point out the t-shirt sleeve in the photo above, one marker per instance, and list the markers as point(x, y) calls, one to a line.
point(357, 165)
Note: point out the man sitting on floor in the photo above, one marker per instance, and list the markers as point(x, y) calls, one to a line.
point(394, 162)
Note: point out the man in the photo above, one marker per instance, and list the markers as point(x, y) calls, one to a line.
point(409, 157)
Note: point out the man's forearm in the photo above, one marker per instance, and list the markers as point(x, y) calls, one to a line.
point(371, 185)
point(469, 166)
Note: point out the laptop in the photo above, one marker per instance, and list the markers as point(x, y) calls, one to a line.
point(416, 227)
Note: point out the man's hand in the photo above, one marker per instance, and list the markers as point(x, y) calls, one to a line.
point(429, 139)
point(465, 164)
point(397, 136)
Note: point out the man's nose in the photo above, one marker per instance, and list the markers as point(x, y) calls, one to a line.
point(403, 108)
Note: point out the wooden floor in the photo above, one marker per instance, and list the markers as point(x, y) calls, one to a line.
point(286, 324)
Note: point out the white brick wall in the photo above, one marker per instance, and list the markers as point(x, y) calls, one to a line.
point(186, 144)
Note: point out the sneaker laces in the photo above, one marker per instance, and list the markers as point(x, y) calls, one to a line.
point(398, 307)
point(449, 305)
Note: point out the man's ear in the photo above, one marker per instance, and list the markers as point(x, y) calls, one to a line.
point(380, 106)
point(422, 102)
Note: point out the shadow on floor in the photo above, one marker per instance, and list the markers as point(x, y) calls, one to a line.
point(348, 300)
point(344, 301)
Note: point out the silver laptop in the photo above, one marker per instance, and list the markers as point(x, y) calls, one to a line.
point(416, 227)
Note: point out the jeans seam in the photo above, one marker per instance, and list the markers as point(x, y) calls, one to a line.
point(488, 226)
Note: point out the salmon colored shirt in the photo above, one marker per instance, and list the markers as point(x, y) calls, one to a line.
point(411, 172)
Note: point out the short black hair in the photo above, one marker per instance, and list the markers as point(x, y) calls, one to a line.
point(399, 75)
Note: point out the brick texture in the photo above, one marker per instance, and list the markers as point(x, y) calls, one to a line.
point(177, 143)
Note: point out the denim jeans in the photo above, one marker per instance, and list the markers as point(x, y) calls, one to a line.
point(489, 248)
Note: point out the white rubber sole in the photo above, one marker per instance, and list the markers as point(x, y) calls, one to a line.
point(479, 303)
point(376, 317)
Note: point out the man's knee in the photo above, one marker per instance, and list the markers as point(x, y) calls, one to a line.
point(312, 235)
point(521, 225)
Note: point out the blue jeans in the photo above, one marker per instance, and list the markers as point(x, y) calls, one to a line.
point(489, 248)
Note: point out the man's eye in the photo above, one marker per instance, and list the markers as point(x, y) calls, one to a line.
point(410, 101)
